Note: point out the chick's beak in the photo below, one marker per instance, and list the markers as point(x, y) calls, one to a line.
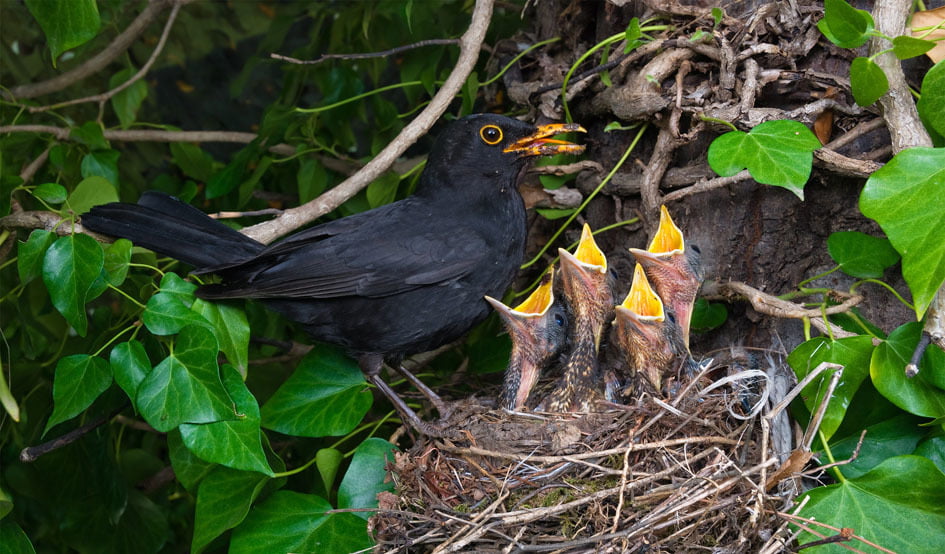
point(540, 142)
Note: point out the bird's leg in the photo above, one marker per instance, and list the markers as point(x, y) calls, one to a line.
point(433, 397)
point(371, 365)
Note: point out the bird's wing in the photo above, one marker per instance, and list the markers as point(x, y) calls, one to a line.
point(377, 258)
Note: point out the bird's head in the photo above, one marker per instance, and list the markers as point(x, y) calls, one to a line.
point(495, 143)
point(586, 285)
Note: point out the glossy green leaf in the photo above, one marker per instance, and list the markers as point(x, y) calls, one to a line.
point(91, 191)
point(867, 81)
point(13, 539)
point(234, 443)
point(223, 500)
point(933, 448)
point(70, 267)
point(383, 190)
point(860, 255)
point(899, 197)
point(165, 314)
point(127, 102)
point(188, 468)
point(179, 287)
point(80, 379)
point(328, 460)
point(51, 193)
point(228, 178)
point(231, 329)
point(29, 259)
point(707, 315)
point(312, 179)
point(90, 134)
point(192, 160)
point(117, 258)
point(366, 476)
point(468, 93)
point(289, 521)
point(185, 387)
point(931, 104)
point(844, 25)
point(325, 396)
point(130, 365)
point(923, 394)
point(11, 407)
point(778, 153)
point(853, 353)
point(552, 214)
point(66, 23)
point(897, 505)
point(896, 436)
point(905, 47)
point(101, 163)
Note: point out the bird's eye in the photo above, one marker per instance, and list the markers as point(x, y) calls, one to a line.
point(491, 134)
point(559, 319)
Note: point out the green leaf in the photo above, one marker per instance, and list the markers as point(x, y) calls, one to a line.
point(468, 93)
point(101, 163)
point(231, 175)
point(366, 476)
point(853, 353)
point(844, 25)
point(80, 379)
point(923, 394)
point(633, 35)
point(188, 468)
point(717, 15)
point(931, 104)
point(867, 81)
point(905, 47)
point(312, 179)
point(898, 505)
point(223, 500)
point(12, 538)
point(117, 258)
point(861, 255)
point(231, 329)
point(552, 214)
point(66, 23)
point(933, 448)
point(326, 396)
point(383, 190)
point(70, 267)
point(165, 314)
point(289, 521)
point(90, 134)
point(192, 160)
point(328, 460)
point(707, 315)
point(29, 261)
point(185, 387)
point(91, 191)
point(51, 193)
point(896, 436)
point(234, 443)
point(899, 196)
point(778, 153)
point(130, 365)
point(128, 101)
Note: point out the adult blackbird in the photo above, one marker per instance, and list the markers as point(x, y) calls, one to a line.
point(403, 278)
point(676, 271)
point(539, 331)
point(587, 290)
point(648, 335)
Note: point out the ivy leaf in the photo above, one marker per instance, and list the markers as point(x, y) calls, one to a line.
point(867, 81)
point(931, 104)
point(290, 521)
point(13, 538)
point(844, 25)
point(51, 193)
point(29, 260)
point(91, 191)
point(127, 102)
point(101, 163)
point(885, 506)
point(130, 365)
point(778, 153)
point(905, 47)
point(365, 476)
point(70, 268)
point(707, 315)
point(79, 380)
point(188, 468)
point(898, 196)
point(192, 160)
point(165, 314)
point(860, 255)
point(117, 258)
point(66, 23)
point(231, 329)
point(328, 460)
point(234, 443)
point(223, 500)
point(326, 396)
point(633, 36)
point(922, 395)
point(896, 436)
point(185, 387)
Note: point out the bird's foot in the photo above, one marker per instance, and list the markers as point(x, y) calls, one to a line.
point(408, 416)
point(441, 406)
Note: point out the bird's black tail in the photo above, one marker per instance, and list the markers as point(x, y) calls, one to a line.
point(166, 225)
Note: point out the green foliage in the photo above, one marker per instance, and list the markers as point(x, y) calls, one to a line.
point(931, 105)
point(775, 152)
point(844, 25)
point(867, 81)
point(861, 255)
point(67, 23)
point(707, 315)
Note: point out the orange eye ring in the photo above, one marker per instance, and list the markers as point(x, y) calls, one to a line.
point(491, 134)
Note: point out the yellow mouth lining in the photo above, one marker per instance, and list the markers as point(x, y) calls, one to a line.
point(540, 143)
point(588, 252)
point(642, 299)
point(668, 237)
point(541, 298)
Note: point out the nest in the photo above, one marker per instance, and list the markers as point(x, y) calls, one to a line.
point(688, 474)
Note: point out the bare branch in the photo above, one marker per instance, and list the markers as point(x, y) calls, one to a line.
point(384, 53)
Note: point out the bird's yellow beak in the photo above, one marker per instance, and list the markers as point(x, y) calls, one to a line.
point(537, 303)
point(642, 300)
point(539, 143)
point(588, 253)
point(668, 237)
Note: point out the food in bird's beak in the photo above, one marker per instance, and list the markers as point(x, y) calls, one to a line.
point(540, 142)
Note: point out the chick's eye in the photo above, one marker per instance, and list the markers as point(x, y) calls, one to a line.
point(491, 134)
point(559, 320)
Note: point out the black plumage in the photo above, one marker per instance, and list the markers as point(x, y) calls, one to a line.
point(399, 279)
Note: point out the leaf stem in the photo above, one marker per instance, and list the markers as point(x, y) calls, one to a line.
point(884, 285)
point(359, 97)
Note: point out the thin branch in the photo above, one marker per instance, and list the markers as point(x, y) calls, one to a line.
point(381, 54)
point(120, 44)
point(470, 44)
point(32, 453)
